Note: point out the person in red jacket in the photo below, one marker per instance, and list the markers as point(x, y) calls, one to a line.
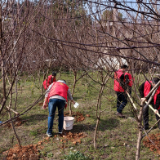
point(123, 82)
point(50, 79)
point(144, 89)
point(56, 95)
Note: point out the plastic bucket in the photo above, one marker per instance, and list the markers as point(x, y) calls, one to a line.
point(68, 123)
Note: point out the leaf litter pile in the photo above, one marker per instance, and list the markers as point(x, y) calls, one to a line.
point(31, 152)
point(77, 115)
point(75, 138)
point(17, 122)
point(153, 142)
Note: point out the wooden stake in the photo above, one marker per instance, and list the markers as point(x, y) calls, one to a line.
point(131, 101)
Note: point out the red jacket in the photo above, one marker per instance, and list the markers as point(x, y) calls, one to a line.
point(117, 75)
point(155, 96)
point(60, 89)
point(147, 88)
point(48, 81)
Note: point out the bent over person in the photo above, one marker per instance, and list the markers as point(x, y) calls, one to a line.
point(56, 95)
point(144, 89)
point(50, 79)
point(123, 82)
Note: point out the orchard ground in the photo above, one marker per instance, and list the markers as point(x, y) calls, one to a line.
point(116, 137)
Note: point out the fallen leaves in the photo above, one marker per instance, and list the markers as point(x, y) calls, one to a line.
point(17, 122)
point(74, 137)
point(77, 115)
point(87, 115)
point(155, 146)
point(40, 103)
point(29, 152)
point(22, 153)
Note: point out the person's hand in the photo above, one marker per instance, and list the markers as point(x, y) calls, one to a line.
point(156, 111)
point(73, 102)
point(143, 100)
point(126, 91)
point(44, 106)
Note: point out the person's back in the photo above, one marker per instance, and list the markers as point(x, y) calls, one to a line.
point(118, 80)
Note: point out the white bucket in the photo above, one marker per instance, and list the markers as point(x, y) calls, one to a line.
point(68, 123)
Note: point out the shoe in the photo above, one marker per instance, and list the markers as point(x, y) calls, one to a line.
point(49, 134)
point(120, 115)
point(60, 133)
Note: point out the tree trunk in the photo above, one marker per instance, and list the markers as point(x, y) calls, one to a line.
point(2, 65)
point(139, 134)
point(95, 132)
point(74, 85)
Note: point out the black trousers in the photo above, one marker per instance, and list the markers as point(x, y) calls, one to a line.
point(146, 118)
point(121, 101)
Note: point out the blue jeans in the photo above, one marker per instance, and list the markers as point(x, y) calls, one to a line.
point(121, 101)
point(53, 103)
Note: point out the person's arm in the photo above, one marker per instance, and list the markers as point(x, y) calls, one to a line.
point(122, 81)
point(141, 90)
point(46, 97)
point(126, 79)
point(45, 103)
point(69, 96)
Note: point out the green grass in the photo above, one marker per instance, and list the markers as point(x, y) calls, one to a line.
point(76, 155)
point(116, 138)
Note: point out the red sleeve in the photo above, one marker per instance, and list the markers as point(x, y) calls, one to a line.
point(49, 80)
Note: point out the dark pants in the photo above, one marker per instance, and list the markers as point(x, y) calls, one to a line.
point(146, 118)
point(157, 117)
point(53, 103)
point(121, 101)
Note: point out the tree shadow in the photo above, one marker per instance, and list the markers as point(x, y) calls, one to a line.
point(81, 128)
point(77, 98)
point(35, 117)
point(108, 124)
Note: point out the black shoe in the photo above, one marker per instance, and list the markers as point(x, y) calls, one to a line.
point(120, 115)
